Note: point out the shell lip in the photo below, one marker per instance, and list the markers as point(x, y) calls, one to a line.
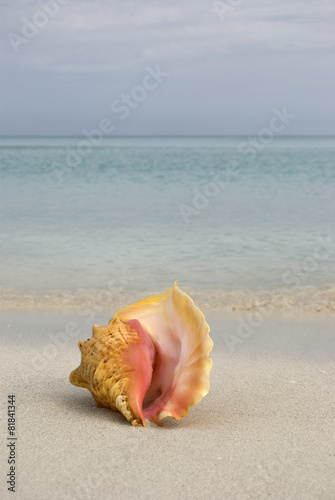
point(155, 409)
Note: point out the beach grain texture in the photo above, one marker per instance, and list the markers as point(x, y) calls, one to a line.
point(265, 430)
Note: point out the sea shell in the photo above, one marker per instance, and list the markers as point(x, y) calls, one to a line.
point(150, 361)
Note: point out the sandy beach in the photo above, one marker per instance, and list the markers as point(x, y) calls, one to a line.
point(148, 144)
point(265, 430)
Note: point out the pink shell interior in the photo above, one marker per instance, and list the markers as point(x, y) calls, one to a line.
point(171, 363)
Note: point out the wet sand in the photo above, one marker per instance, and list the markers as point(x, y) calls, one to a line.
point(265, 430)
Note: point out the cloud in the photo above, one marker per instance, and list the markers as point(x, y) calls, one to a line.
point(106, 33)
point(103, 47)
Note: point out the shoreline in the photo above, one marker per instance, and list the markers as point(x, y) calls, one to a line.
point(308, 299)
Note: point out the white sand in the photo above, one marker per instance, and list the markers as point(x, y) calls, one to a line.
point(265, 430)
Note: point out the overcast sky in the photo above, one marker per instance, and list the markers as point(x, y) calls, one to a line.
point(229, 63)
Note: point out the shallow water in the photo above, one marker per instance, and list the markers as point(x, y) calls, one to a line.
point(132, 215)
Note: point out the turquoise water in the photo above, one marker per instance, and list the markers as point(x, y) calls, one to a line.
point(132, 215)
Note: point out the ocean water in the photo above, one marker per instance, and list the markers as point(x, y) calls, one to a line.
point(239, 227)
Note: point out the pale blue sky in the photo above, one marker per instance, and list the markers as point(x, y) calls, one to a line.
point(227, 69)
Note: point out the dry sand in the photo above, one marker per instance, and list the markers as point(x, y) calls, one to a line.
point(265, 430)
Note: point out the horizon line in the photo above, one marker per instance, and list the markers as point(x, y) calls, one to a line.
point(133, 136)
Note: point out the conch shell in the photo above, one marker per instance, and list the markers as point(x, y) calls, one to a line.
point(150, 361)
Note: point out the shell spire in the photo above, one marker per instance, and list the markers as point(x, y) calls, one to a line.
point(150, 361)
